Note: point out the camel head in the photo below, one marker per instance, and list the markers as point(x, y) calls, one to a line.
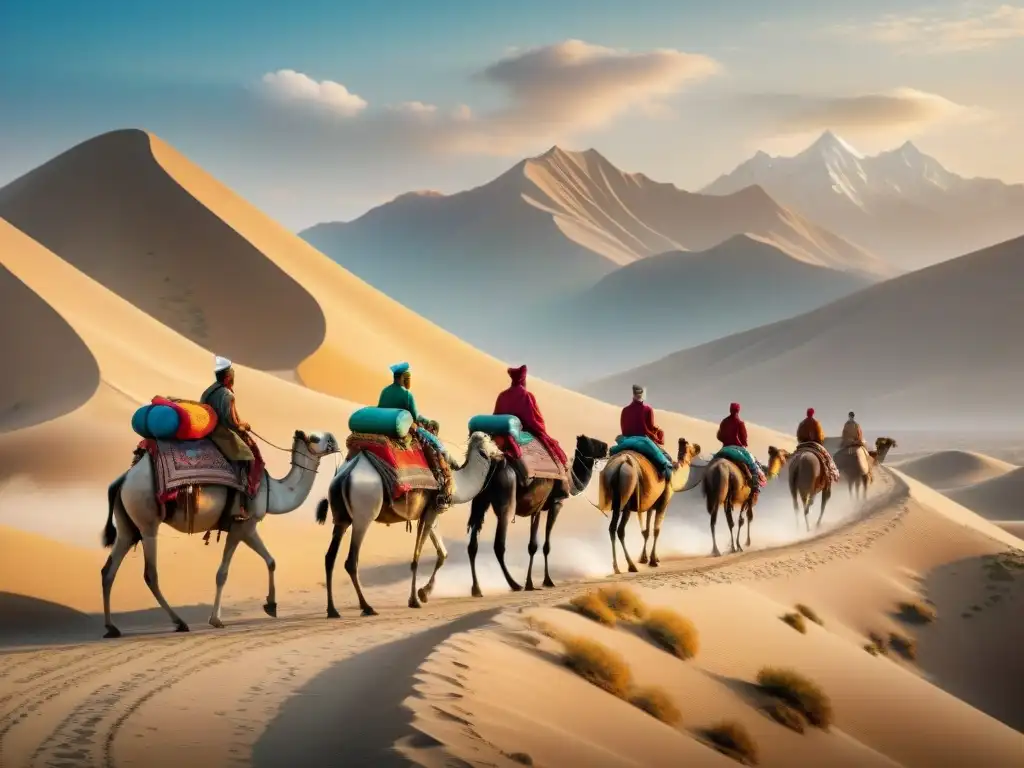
point(777, 458)
point(315, 444)
point(591, 448)
point(882, 446)
point(687, 451)
point(482, 445)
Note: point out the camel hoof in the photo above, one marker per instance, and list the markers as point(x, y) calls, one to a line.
point(716, 553)
point(414, 603)
point(643, 559)
point(112, 631)
point(214, 622)
point(183, 627)
point(655, 563)
point(514, 587)
point(530, 587)
point(369, 611)
point(332, 613)
point(549, 583)
point(634, 569)
point(476, 592)
point(423, 595)
point(270, 609)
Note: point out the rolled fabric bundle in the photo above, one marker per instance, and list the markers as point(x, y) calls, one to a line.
point(390, 422)
point(156, 422)
point(195, 420)
point(497, 425)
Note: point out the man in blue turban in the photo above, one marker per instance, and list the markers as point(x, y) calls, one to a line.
point(398, 394)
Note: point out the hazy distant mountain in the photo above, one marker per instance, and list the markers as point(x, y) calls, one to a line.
point(934, 349)
point(485, 263)
point(901, 204)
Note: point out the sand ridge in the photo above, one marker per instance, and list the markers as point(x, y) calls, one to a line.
point(949, 470)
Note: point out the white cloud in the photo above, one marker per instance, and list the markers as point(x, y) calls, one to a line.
point(976, 28)
point(287, 85)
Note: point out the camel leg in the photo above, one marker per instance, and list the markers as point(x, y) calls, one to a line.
point(622, 540)
point(359, 530)
point(750, 522)
point(253, 540)
point(442, 555)
point(825, 496)
point(122, 544)
point(732, 525)
point(645, 530)
point(153, 581)
point(613, 526)
point(659, 518)
point(532, 548)
point(739, 524)
point(505, 514)
point(808, 503)
point(329, 559)
point(234, 539)
point(478, 512)
point(715, 552)
point(549, 525)
point(423, 525)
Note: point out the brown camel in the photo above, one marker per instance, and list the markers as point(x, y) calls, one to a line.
point(724, 485)
point(808, 478)
point(856, 464)
point(622, 493)
point(510, 499)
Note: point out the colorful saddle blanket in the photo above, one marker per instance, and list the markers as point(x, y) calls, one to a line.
point(539, 464)
point(182, 463)
point(831, 471)
point(743, 459)
point(646, 448)
point(403, 463)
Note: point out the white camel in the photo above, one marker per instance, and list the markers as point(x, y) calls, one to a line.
point(357, 498)
point(134, 509)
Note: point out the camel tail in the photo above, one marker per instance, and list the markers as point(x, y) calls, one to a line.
point(794, 481)
point(321, 510)
point(113, 492)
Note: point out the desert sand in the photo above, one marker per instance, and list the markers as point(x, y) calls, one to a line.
point(950, 470)
point(462, 678)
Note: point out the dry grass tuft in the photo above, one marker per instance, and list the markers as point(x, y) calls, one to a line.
point(878, 643)
point(796, 621)
point(810, 614)
point(733, 740)
point(916, 612)
point(594, 608)
point(626, 604)
point(798, 692)
point(673, 632)
point(520, 757)
point(786, 715)
point(657, 703)
point(872, 649)
point(598, 665)
point(903, 645)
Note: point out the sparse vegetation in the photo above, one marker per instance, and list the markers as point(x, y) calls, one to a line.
point(626, 604)
point(798, 692)
point(878, 643)
point(542, 627)
point(785, 715)
point(903, 645)
point(733, 740)
point(810, 613)
point(796, 621)
point(520, 757)
point(916, 612)
point(598, 665)
point(872, 649)
point(673, 633)
point(657, 703)
point(594, 608)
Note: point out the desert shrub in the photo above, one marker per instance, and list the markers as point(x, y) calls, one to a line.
point(916, 612)
point(593, 607)
point(657, 703)
point(878, 642)
point(732, 739)
point(903, 645)
point(598, 665)
point(798, 692)
point(673, 632)
point(872, 649)
point(542, 627)
point(623, 602)
point(786, 715)
point(796, 621)
point(520, 757)
point(810, 614)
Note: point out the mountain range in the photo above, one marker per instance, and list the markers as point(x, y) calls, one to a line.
point(496, 264)
point(901, 204)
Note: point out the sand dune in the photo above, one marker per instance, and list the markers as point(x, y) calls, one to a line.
point(924, 350)
point(998, 498)
point(947, 470)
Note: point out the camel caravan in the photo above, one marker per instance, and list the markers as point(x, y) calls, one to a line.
point(198, 468)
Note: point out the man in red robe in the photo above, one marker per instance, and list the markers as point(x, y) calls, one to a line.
point(732, 431)
point(637, 419)
point(518, 401)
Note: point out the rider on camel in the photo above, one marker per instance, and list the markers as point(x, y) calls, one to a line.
point(637, 420)
point(398, 394)
point(733, 432)
point(853, 435)
point(231, 435)
point(518, 401)
point(810, 430)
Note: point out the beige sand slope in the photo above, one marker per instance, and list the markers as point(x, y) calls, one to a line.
point(926, 350)
point(999, 498)
point(654, 306)
point(552, 224)
point(947, 470)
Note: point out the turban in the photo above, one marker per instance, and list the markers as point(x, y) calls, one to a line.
point(220, 363)
point(399, 368)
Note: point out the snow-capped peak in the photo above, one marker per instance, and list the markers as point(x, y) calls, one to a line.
point(831, 144)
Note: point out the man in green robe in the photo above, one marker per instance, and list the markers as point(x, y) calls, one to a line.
point(231, 435)
point(398, 394)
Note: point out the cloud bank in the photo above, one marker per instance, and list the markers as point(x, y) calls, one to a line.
point(931, 33)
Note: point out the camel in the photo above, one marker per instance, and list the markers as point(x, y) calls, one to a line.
point(620, 484)
point(856, 464)
point(134, 508)
point(807, 477)
point(357, 498)
point(724, 485)
point(508, 499)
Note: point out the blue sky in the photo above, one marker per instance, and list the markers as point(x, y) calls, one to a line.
point(446, 94)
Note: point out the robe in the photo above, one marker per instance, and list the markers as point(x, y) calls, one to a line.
point(637, 420)
point(519, 402)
